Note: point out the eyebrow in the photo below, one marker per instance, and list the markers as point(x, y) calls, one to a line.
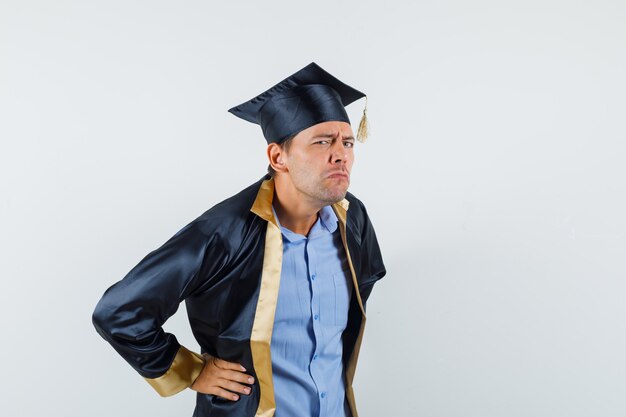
point(332, 136)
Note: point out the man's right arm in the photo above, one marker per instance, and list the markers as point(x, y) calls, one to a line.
point(131, 313)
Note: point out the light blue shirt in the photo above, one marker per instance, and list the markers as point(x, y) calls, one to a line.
point(311, 315)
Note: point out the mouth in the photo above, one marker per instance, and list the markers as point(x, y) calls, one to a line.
point(338, 175)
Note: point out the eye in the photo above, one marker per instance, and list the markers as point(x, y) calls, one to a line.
point(323, 142)
point(348, 144)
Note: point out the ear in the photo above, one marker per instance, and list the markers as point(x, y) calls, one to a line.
point(276, 156)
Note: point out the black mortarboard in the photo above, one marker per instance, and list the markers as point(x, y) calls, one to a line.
point(308, 97)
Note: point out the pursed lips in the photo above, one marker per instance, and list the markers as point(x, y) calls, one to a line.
point(338, 174)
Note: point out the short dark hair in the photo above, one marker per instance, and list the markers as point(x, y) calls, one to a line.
point(285, 145)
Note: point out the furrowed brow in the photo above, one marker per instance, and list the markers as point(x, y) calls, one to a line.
point(324, 135)
point(332, 136)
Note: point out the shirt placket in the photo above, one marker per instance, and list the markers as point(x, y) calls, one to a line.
point(315, 363)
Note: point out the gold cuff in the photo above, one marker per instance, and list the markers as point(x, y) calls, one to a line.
point(184, 370)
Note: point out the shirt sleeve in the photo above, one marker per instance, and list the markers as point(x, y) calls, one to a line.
point(131, 312)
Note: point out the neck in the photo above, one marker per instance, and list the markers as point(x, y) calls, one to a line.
point(295, 210)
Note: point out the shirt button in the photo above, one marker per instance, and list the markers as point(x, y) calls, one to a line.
point(313, 277)
point(323, 395)
point(316, 317)
point(314, 357)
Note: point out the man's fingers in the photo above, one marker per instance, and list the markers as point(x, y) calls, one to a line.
point(234, 386)
point(223, 379)
point(221, 363)
point(237, 376)
point(227, 395)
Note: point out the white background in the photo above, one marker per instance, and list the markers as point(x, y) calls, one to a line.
point(494, 176)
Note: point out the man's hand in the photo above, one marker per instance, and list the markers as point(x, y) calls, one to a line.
point(222, 378)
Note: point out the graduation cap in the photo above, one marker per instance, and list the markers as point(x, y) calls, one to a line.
point(308, 97)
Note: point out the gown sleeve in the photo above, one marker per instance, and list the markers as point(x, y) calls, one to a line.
point(373, 266)
point(131, 312)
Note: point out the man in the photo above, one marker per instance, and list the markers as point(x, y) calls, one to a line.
point(275, 279)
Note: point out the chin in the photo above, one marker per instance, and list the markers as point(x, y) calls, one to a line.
point(328, 194)
point(336, 196)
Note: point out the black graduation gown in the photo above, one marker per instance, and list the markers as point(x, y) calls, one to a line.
point(226, 266)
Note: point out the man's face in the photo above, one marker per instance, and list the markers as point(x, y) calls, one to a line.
point(319, 161)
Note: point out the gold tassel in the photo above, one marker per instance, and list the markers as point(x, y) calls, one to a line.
point(361, 134)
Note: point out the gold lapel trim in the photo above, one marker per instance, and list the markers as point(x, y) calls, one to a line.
point(261, 336)
point(262, 205)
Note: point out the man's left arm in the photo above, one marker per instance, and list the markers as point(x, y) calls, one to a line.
point(373, 266)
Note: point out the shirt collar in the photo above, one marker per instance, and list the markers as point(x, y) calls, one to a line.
point(329, 218)
point(326, 220)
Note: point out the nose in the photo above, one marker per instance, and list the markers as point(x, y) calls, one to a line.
point(338, 153)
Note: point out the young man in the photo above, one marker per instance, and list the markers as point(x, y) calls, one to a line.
point(275, 279)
